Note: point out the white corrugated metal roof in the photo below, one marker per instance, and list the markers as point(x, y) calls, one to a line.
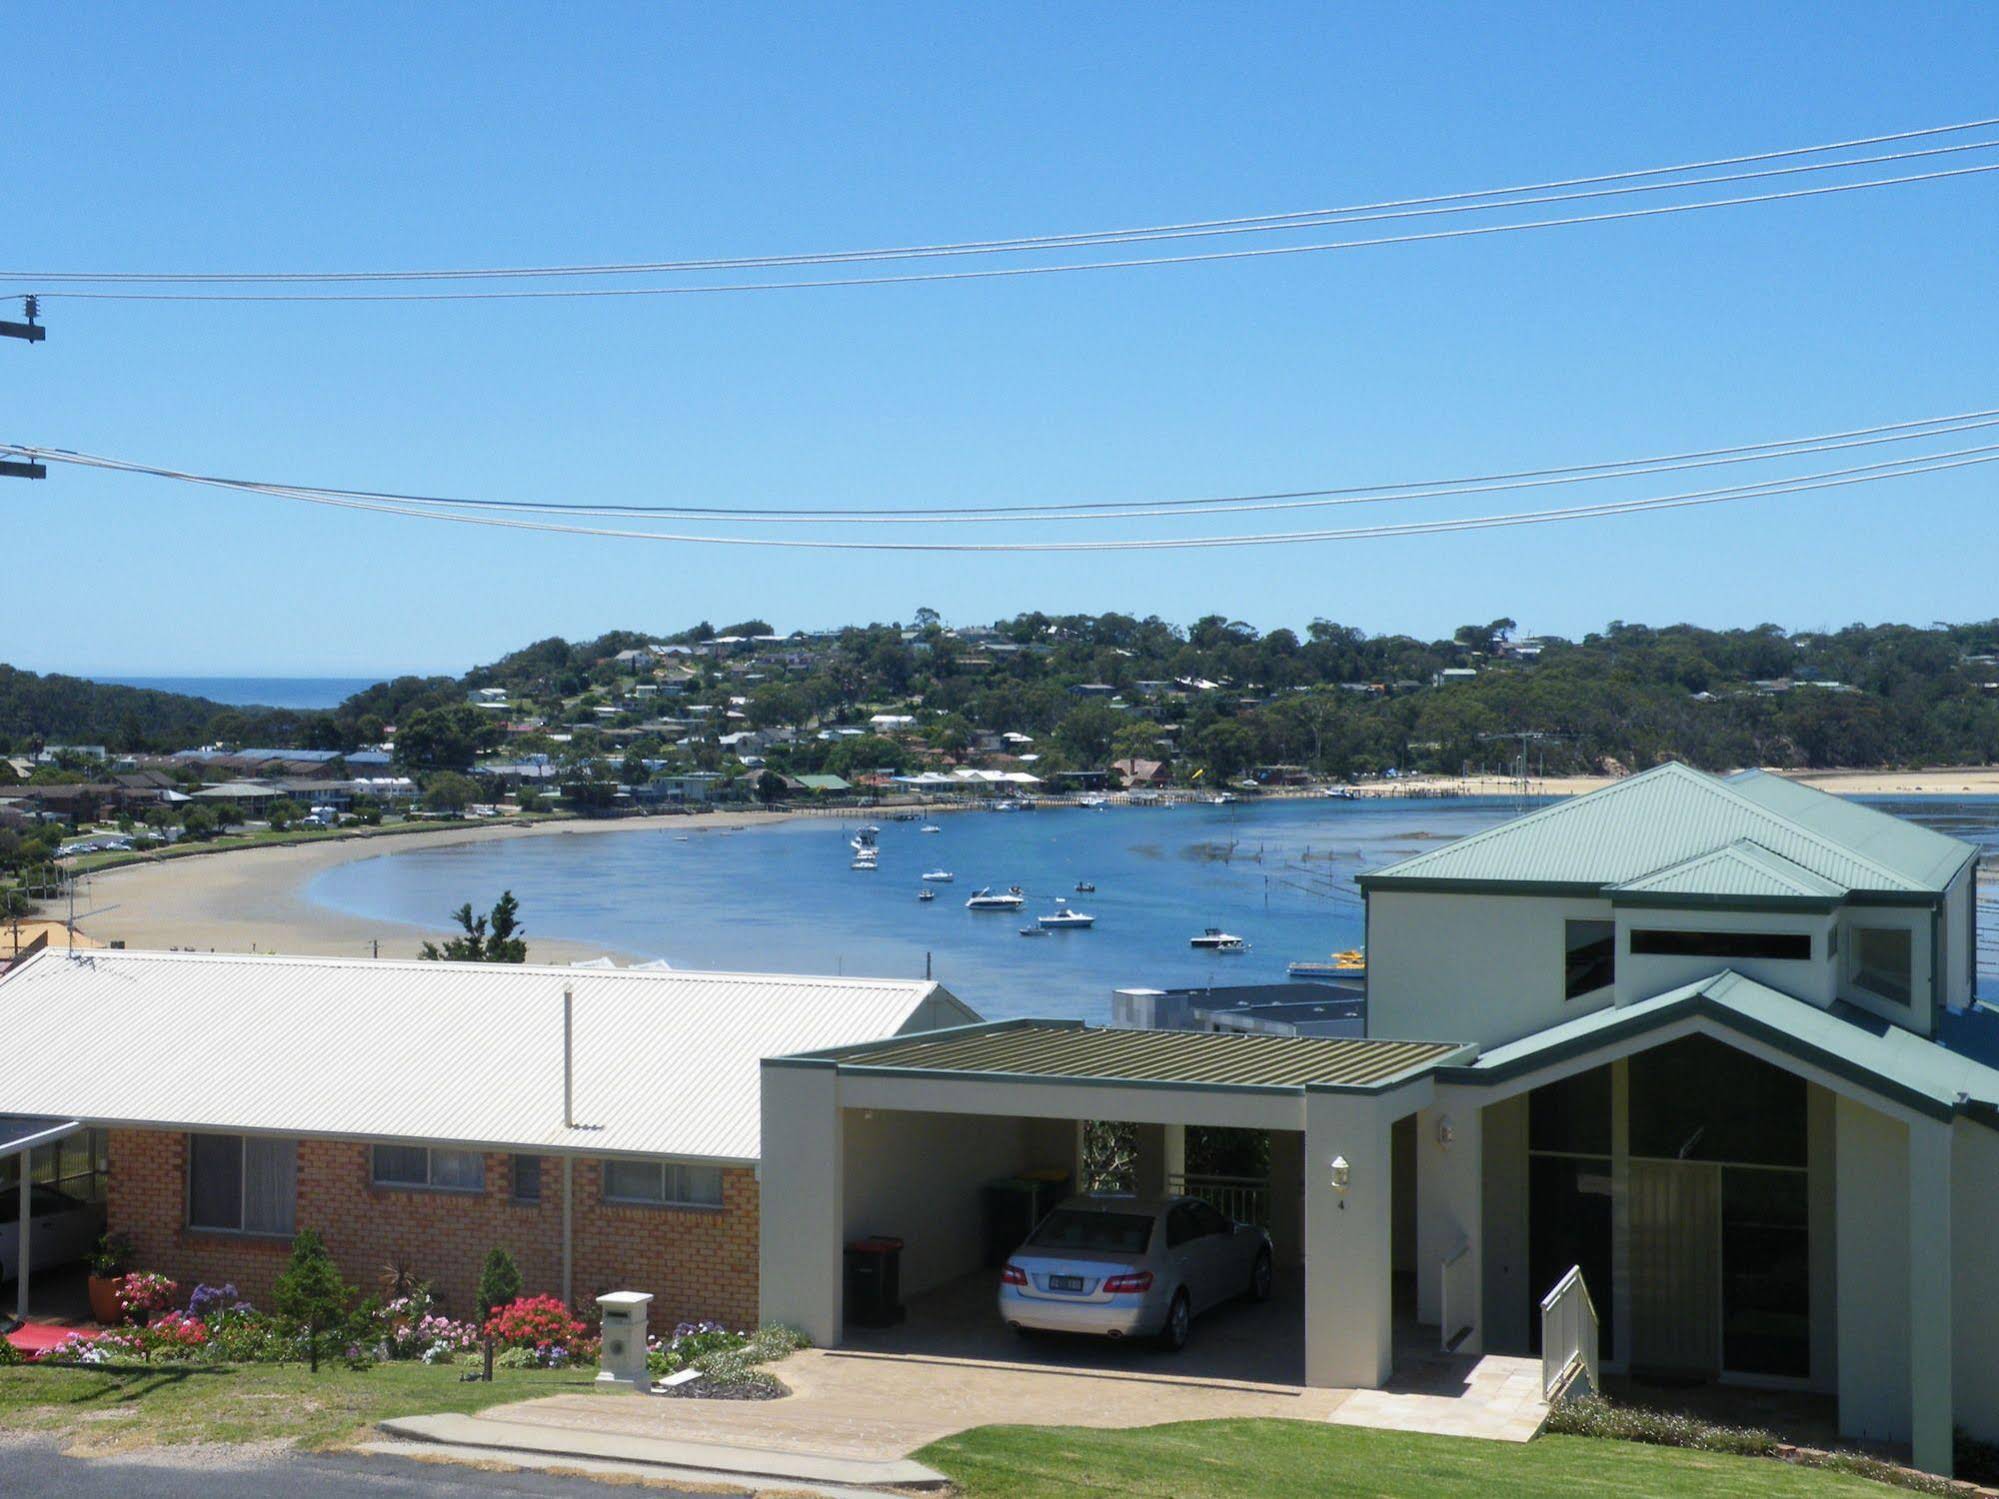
point(666, 1063)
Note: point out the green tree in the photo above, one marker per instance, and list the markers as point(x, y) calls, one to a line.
point(309, 1296)
point(448, 791)
point(498, 938)
point(499, 1282)
point(446, 738)
point(198, 823)
point(284, 812)
point(770, 787)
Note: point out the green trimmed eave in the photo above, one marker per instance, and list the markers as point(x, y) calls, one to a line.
point(1647, 1017)
point(1932, 898)
point(961, 1077)
point(1389, 884)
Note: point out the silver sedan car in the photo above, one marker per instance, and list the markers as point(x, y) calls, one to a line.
point(1123, 1266)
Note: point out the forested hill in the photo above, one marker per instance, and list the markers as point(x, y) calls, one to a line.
point(1092, 688)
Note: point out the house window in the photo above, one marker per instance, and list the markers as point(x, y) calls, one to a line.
point(1592, 957)
point(669, 1183)
point(241, 1184)
point(419, 1166)
point(527, 1178)
point(1667, 943)
point(1883, 959)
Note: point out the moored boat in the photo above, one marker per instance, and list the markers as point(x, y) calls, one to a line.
point(1214, 939)
point(989, 899)
point(939, 876)
point(1063, 919)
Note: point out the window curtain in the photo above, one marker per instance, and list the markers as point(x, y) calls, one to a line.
point(270, 1185)
point(462, 1170)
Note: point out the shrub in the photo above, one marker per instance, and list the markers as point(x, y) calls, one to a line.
point(207, 1301)
point(499, 1282)
point(143, 1293)
point(1594, 1416)
point(10, 1355)
point(535, 1322)
point(112, 1257)
point(310, 1298)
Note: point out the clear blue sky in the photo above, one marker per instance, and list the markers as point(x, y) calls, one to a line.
point(201, 137)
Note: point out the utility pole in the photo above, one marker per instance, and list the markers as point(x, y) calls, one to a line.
point(33, 333)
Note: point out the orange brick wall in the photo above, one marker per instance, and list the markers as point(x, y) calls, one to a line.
point(696, 1262)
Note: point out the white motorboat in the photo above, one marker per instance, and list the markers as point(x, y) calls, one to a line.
point(1062, 919)
point(930, 827)
point(1214, 939)
point(926, 895)
point(940, 876)
point(861, 861)
point(989, 899)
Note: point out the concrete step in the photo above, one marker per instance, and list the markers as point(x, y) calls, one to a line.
point(494, 1435)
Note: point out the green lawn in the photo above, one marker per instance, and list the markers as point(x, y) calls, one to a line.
point(1282, 1459)
point(105, 1411)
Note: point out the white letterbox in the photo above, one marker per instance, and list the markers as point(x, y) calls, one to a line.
point(622, 1361)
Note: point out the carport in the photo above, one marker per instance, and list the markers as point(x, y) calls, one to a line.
point(18, 1139)
point(903, 1135)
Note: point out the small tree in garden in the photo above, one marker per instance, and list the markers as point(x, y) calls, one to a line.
point(499, 1282)
point(309, 1296)
point(487, 940)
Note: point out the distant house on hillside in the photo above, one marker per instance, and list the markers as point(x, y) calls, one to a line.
point(1143, 772)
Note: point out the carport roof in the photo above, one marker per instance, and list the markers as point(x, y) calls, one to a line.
point(18, 1132)
point(1047, 1048)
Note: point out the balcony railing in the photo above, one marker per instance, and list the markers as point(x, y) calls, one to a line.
point(1243, 1198)
point(1568, 1338)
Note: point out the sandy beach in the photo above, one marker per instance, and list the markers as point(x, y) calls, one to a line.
point(253, 900)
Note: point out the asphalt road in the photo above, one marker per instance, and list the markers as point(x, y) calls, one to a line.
point(39, 1470)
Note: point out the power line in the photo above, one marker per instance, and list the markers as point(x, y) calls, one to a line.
point(1001, 272)
point(1832, 479)
point(1772, 451)
point(1461, 202)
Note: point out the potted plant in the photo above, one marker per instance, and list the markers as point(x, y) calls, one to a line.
point(108, 1263)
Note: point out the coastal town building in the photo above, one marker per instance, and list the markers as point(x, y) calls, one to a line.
point(1710, 1043)
point(600, 1124)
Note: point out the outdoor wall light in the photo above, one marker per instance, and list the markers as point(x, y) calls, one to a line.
point(1446, 1132)
point(1342, 1175)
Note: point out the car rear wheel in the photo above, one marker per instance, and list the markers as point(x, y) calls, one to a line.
point(1179, 1322)
point(1260, 1277)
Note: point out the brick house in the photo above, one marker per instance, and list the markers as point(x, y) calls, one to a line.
point(414, 1113)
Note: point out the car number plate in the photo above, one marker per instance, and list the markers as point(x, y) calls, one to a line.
point(1065, 1282)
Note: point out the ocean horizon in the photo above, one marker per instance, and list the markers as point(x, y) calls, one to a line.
point(296, 693)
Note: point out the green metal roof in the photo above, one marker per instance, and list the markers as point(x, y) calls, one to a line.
point(1741, 870)
point(1052, 1049)
point(1899, 1064)
point(1671, 814)
point(823, 783)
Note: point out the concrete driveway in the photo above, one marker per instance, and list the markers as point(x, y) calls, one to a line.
point(951, 1365)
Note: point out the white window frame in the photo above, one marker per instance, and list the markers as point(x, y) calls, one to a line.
point(240, 1230)
point(672, 1178)
point(430, 1182)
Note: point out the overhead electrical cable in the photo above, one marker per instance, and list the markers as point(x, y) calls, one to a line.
point(1774, 450)
point(1254, 224)
point(1799, 484)
point(1003, 272)
point(1084, 238)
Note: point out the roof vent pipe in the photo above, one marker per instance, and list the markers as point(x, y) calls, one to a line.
point(568, 1055)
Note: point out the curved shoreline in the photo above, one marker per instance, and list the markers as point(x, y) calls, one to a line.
point(254, 900)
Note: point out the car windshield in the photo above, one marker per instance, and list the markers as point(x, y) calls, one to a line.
point(46, 1201)
point(1072, 1228)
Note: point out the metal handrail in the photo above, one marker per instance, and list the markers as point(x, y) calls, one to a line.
point(1568, 1336)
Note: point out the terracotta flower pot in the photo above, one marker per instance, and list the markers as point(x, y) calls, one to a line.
point(104, 1300)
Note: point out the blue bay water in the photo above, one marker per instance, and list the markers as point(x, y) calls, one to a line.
point(783, 899)
point(297, 693)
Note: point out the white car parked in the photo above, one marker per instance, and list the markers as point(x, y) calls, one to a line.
point(61, 1228)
